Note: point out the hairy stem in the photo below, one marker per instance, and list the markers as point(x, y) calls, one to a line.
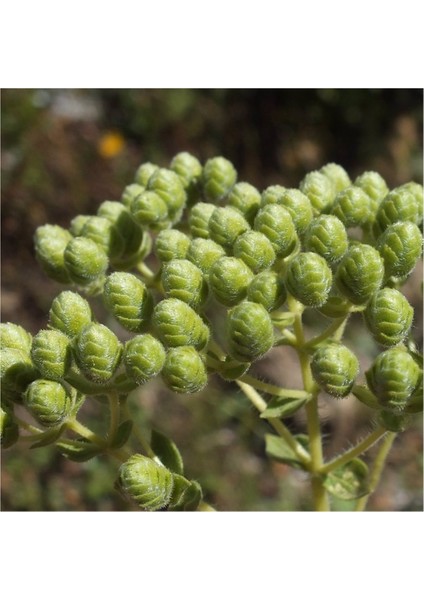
point(336, 328)
point(377, 469)
point(114, 414)
point(357, 450)
point(274, 389)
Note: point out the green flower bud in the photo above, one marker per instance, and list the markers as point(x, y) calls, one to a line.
point(250, 331)
point(309, 279)
point(326, 235)
point(144, 172)
point(400, 247)
point(335, 369)
point(352, 206)
point(48, 402)
point(170, 244)
point(254, 249)
point(145, 482)
point(182, 279)
point(144, 357)
point(393, 377)
point(399, 205)
point(15, 336)
point(392, 421)
point(226, 225)
point(267, 289)
point(98, 352)
point(184, 371)
point(50, 243)
point(9, 429)
point(150, 210)
point(198, 219)
point(177, 324)
point(85, 260)
point(204, 254)
point(130, 193)
point(360, 273)
point(69, 313)
point(374, 185)
point(272, 195)
point(78, 223)
point(168, 186)
point(246, 199)
point(299, 207)
point(337, 175)
point(319, 189)
point(218, 178)
point(229, 279)
point(51, 353)
point(16, 372)
point(416, 190)
point(129, 231)
point(388, 316)
point(128, 299)
point(189, 169)
point(103, 232)
point(275, 222)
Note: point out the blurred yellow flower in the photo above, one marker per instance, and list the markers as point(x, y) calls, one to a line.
point(110, 144)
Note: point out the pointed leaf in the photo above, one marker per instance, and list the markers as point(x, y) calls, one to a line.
point(186, 494)
point(49, 437)
point(282, 407)
point(349, 481)
point(167, 451)
point(279, 450)
point(79, 451)
point(122, 434)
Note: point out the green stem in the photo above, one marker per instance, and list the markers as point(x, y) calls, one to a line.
point(27, 426)
point(114, 414)
point(274, 389)
point(336, 328)
point(357, 450)
point(136, 433)
point(205, 507)
point(377, 469)
point(85, 432)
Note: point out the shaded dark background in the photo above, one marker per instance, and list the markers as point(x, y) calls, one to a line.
point(65, 151)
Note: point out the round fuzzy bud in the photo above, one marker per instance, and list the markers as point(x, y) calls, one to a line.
point(78, 223)
point(189, 169)
point(9, 429)
point(335, 369)
point(299, 207)
point(48, 402)
point(246, 199)
point(400, 246)
point(198, 219)
point(276, 224)
point(226, 225)
point(393, 377)
point(272, 195)
point(416, 190)
point(374, 186)
point(130, 192)
point(267, 289)
point(319, 189)
point(250, 331)
point(166, 184)
point(309, 279)
point(177, 324)
point(218, 178)
point(182, 279)
point(103, 232)
point(98, 352)
point(85, 260)
point(337, 175)
point(360, 273)
point(326, 235)
point(352, 206)
point(16, 372)
point(15, 336)
point(229, 279)
point(129, 300)
point(254, 249)
point(69, 313)
point(124, 224)
point(144, 357)
point(184, 371)
point(399, 205)
point(204, 254)
point(50, 243)
point(51, 353)
point(388, 316)
point(150, 210)
point(170, 244)
point(145, 482)
point(144, 172)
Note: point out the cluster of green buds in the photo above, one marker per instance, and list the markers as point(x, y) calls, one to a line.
point(190, 241)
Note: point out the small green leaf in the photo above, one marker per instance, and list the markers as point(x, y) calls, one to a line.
point(49, 436)
point(279, 450)
point(349, 481)
point(233, 369)
point(79, 451)
point(282, 407)
point(166, 450)
point(186, 495)
point(122, 434)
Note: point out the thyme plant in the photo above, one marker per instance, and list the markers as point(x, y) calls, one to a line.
point(263, 259)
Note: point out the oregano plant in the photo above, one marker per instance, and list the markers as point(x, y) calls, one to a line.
point(189, 241)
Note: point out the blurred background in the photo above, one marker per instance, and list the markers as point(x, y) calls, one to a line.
point(65, 151)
